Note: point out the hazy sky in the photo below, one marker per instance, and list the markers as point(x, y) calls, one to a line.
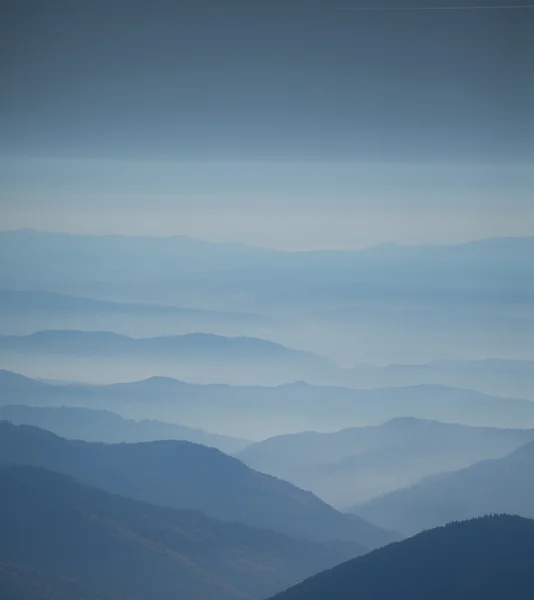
point(305, 128)
point(294, 205)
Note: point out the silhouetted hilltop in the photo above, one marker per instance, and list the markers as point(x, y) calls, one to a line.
point(490, 558)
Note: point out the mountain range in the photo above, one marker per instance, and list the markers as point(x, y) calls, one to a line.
point(214, 275)
point(260, 412)
point(188, 476)
point(513, 378)
point(105, 426)
point(356, 464)
point(64, 540)
point(197, 356)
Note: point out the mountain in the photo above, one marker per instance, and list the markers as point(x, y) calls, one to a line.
point(105, 426)
point(356, 464)
point(261, 412)
point(188, 476)
point(491, 486)
point(490, 558)
point(23, 583)
point(203, 356)
point(58, 533)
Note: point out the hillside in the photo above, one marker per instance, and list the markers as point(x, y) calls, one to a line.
point(23, 583)
point(188, 476)
point(358, 463)
point(105, 426)
point(69, 535)
point(491, 486)
point(491, 558)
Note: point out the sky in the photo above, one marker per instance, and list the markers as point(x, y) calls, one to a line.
point(292, 125)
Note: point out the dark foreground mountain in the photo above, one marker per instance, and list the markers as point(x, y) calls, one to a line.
point(105, 426)
point(79, 540)
point(355, 464)
point(491, 486)
point(261, 412)
point(490, 558)
point(188, 476)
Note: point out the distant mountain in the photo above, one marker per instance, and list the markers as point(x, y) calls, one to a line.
point(188, 476)
point(105, 426)
point(491, 558)
point(359, 463)
point(487, 271)
point(492, 486)
point(260, 412)
point(198, 356)
point(73, 541)
point(200, 346)
point(513, 378)
point(24, 312)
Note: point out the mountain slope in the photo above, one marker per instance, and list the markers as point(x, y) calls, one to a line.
point(490, 558)
point(491, 486)
point(18, 582)
point(189, 476)
point(355, 464)
point(53, 524)
point(105, 426)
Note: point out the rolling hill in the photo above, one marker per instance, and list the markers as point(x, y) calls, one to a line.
point(490, 558)
point(491, 486)
point(188, 476)
point(62, 537)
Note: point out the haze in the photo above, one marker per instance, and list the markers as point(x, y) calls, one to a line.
point(266, 300)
